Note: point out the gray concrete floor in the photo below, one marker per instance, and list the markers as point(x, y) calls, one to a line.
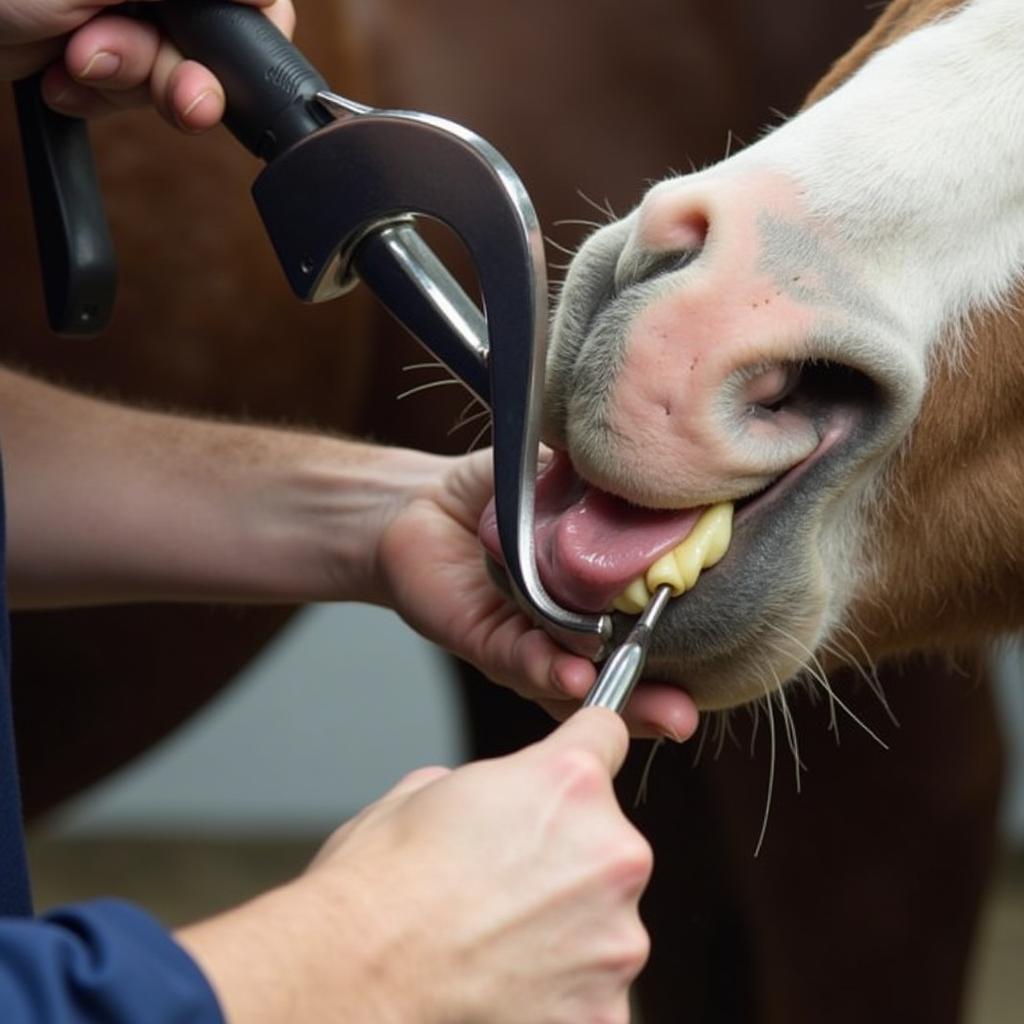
point(183, 880)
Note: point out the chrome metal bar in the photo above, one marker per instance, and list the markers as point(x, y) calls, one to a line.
point(624, 668)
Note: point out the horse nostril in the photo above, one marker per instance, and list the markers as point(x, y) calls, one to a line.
point(663, 240)
point(769, 387)
point(668, 221)
point(690, 230)
point(667, 263)
point(817, 390)
point(649, 266)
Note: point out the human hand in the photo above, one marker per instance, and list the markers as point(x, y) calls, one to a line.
point(505, 891)
point(434, 574)
point(97, 62)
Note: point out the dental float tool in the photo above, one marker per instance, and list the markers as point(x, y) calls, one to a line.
point(623, 669)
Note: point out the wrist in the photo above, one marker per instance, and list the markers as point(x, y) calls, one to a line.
point(380, 949)
point(308, 951)
point(347, 494)
point(249, 962)
point(138, 505)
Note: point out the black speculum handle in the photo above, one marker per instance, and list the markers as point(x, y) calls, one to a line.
point(76, 254)
point(269, 85)
point(270, 89)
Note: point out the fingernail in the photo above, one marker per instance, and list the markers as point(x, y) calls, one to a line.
point(102, 64)
point(58, 97)
point(556, 680)
point(201, 98)
point(67, 99)
point(666, 732)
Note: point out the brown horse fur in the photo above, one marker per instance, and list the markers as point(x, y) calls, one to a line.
point(949, 530)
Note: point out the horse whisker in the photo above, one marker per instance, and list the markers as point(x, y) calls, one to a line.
point(705, 727)
point(579, 222)
point(641, 790)
point(869, 674)
point(771, 771)
point(558, 247)
point(469, 405)
point(790, 724)
point(464, 421)
point(834, 696)
point(476, 440)
point(755, 715)
point(816, 673)
point(823, 679)
point(724, 732)
point(424, 366)
point(606, 209)
point(428, 386)
point(828, 689)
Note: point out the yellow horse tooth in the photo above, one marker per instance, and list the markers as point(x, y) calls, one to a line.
point(719, 519)
point(681, 567)
point(689, 558)
point(638, 595)
point(705, 545)
point(633, 600)
point(665, 570)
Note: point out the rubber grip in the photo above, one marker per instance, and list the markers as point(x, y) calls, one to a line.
point(76, 254)
point(268, 83)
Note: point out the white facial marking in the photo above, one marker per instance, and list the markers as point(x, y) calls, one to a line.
point(915, 167)
point(863, 231)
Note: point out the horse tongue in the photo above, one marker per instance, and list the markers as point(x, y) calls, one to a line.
point(590, 544)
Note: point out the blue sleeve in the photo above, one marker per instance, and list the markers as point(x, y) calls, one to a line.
point(103, 962)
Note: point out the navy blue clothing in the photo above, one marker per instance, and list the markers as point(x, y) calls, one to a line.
point(15, 895)
point(103, 962)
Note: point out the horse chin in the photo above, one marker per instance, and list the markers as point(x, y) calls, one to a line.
point(753, 621)
point(733, 648)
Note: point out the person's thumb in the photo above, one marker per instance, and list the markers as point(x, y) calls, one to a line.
point(597, 730)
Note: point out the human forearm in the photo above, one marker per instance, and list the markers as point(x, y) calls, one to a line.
point(108, 503)
point(307, 951)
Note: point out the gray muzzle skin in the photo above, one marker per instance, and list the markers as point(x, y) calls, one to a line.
point(340, 194)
